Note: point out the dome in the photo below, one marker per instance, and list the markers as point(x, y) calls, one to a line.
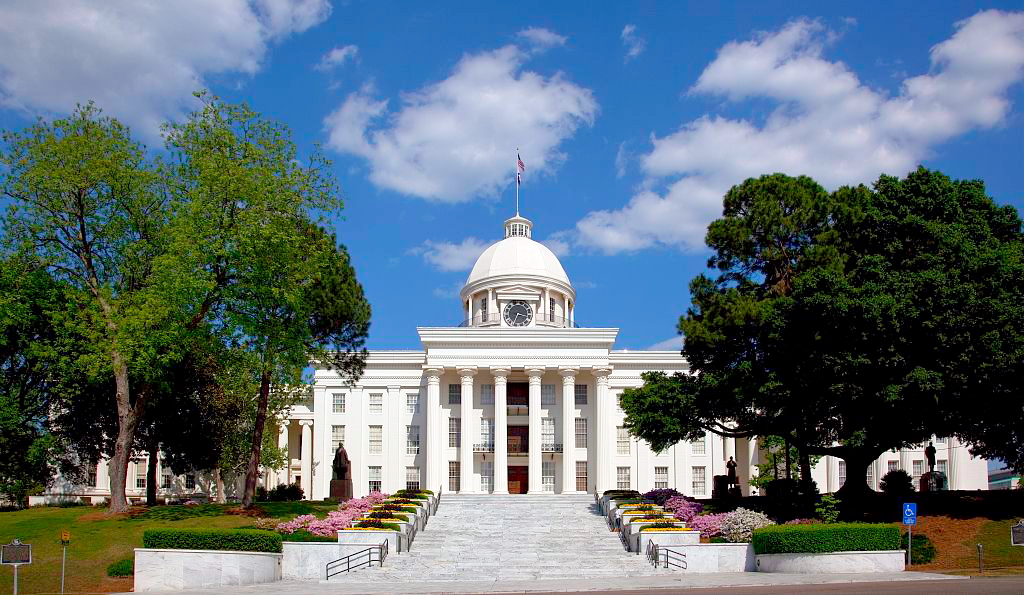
point(518, 254)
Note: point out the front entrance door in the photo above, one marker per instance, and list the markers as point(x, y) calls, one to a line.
point(518, 479)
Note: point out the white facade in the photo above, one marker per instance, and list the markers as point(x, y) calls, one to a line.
point(518, 399)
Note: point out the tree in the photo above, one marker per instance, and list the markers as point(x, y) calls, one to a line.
point(848, 323)
point(288, 292)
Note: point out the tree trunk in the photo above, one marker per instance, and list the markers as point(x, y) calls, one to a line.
point(154, 453)
point(789, 464)
point(128, 417)
point(252, 474)
point(218, 479)
point(805, 466)
point(856, 486)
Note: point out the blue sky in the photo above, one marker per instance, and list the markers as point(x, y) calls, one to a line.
point(633, 118)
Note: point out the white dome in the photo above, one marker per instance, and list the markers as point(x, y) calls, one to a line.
point(517, 256)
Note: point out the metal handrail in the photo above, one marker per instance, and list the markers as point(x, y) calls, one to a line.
point(483, 448)
point(551, 447)
point(658, 555)
point(622, 538)
point(347, 561)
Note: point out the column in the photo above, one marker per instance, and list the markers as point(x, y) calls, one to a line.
point(434, 442)
point(394, 471)
point(466, 446)
point(568, 429)
point(535, 437)
point(282, 443)
point(500, 429)
point(307, 457)
point(603, 433)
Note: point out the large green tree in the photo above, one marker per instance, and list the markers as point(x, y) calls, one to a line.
point(848, 323)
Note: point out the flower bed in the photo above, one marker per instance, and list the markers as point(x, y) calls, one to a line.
point(342, 518)
point(655, 528)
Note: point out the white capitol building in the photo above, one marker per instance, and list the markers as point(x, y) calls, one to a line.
point(517, 399)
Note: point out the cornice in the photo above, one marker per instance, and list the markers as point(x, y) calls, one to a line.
point(504, 338)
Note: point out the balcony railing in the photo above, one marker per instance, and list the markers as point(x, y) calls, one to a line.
point(494, 319)
point(551, 447)
point(518, 409)
point(483, 448)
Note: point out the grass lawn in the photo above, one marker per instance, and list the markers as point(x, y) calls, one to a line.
point(98, 539)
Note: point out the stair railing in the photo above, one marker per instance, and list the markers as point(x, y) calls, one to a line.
point(358, 559)
point(665, 556)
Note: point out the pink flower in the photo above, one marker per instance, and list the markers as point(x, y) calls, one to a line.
point(709, 525)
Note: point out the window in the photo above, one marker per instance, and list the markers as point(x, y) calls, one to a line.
point(581, 432)
point(337, 437)
point(547, 395)
point(412, 440)
point(581, 394)
point(940, 440)
point(93, 472)
point(547, 431)
point(454, 394)
point(483, 309)
point(581, 476)
point(486, 476)
point(486, 394)
point(621, 440)
point(940, 466)
point(699, 484)
point(374, 476)
point(412, 403)
point(454, 432)
point(871, 476)
point(190, 482)
point(622, 478)
point(892, 465)
point(453, 476)
point(376, 440)
point(551, 309)
point(487, 432)
point(918, 468)
point(140, 474)
point(547, 476)
point(842, 473)
point(412, 478)
point(339, 402)
point(699, 446)
point(660, 478)
point(376, 402)
point(165, 480)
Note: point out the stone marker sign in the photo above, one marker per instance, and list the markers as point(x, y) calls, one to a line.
point(1017, 533)
point(16, 553)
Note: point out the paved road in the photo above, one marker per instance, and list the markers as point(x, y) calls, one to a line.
point(1004, 585)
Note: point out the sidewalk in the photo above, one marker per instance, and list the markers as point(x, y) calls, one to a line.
point(669, 580)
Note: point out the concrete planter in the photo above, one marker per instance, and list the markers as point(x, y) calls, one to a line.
point(176, 570)
point(307, 561)
point(356, 538)
point(716, 557)
point(875, 561)
point(633, 532)
point(638, 539)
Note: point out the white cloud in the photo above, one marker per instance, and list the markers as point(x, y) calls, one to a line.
point(454, 140)
point(140, 61)
point(634, 44)
point(827, 124)
point(336, 57)
point(542, 39)
point(671, 344)
point(447, 256)
point(448, 292)
point(558, 243)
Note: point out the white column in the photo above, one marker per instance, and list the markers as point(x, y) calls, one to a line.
point(394, 471)
point(603, 433)
point(546, 306)
point(568, 429)
point(535, 437)
point(282, 443)
point(434, 442)
point(307, 457)
point(500, 429)
point(466, 447)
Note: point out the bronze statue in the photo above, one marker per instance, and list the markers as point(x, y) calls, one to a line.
point(341, 464)
point(929, 453)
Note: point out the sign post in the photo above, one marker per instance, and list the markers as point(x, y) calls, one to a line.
point(65, 539)
point(15, 554)
point(1017, 533)
point(909, 519)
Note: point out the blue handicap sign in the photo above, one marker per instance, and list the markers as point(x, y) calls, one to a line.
point(910, 513)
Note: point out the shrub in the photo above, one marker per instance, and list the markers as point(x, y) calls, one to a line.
point(896, 483)
point(285, 493)
point(240, 540)
point(261, 494)
point(828, 509)
point(923, 551)
point(375, 524)
point(304, 535)
point(709, 525)
point(683, 508)
point(126, 567)
point(664, 525)
point(821, 538)
point(662, 495)
point(385, 514)
point(179, 512)
point(395, 508)
point(739, 525)
point(265, 523)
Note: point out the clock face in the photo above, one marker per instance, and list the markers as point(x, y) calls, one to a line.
point(518, 313)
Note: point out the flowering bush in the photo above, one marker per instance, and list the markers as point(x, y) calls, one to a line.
point(684, 508)
point(738, 525)
point(265, 523)
point(660, 496)
point(342, 518)
point(709, 525)
point(801, 522)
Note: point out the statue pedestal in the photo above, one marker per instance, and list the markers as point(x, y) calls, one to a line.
point(341, 489)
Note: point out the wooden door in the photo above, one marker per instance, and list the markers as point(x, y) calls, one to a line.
point(518, 479)
point(518, 393)
point(518, 439)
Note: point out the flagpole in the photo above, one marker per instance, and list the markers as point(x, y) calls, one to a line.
point(517, 181)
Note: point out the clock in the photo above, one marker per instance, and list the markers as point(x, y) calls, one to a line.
point(518, 313)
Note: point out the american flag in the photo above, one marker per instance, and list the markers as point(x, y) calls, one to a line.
point(520, 168)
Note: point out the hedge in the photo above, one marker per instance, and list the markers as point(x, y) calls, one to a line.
point(240, 540)
point(303, 535)
point(123, 567)
point(821, 538)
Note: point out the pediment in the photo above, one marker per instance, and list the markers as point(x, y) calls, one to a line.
point(518, 292)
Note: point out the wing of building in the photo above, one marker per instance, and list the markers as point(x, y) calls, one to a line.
point(516, 399)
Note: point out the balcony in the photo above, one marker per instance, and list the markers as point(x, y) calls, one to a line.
point(494, 319)
point(518, 409)
point(551, 447)
point(483, 448)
